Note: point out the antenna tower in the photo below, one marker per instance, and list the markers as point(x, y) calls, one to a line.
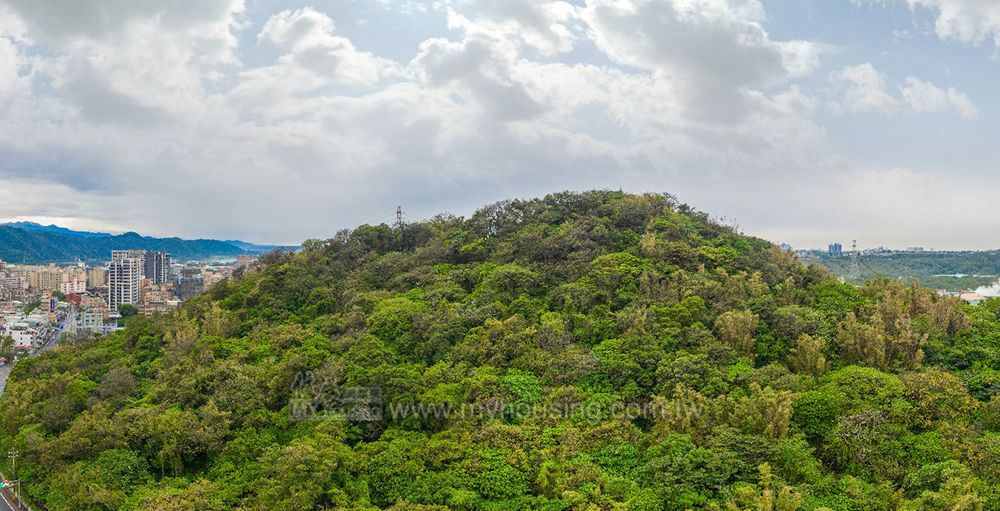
point(399, 226)
point(855, 262)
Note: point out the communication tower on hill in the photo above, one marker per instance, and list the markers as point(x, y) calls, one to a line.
point(855, 262)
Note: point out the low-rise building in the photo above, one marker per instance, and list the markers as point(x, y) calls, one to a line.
point(12, 286)
point(244, 261)
point(158, 299)
point(26, 330)
point(73, 287)
point(159, 307)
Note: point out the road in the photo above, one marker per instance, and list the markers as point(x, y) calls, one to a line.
point(52, 339)
point(4, 373)
point(6, 502)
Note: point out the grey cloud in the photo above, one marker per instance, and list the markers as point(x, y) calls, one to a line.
point(77, 169)
point(481, 68)
point(713, 56)
point(64, 20)
point(97, 100)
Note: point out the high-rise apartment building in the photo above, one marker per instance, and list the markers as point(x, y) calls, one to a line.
point(124, 280)
point(157, 267)
point(117, 255)
point(45, 278)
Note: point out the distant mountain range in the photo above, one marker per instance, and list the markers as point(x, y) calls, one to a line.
point(29, 242)
point(32, 226)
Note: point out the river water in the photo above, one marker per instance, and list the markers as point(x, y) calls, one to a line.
point(990, 290)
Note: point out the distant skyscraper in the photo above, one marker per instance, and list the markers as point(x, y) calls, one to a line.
point(836, 250)
point(124, 280)
point(118, 255)
point(157, 267)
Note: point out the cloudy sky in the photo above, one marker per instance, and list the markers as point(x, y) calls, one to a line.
point(803, 121)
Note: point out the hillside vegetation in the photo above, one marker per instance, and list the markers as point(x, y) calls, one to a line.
point(594, 351)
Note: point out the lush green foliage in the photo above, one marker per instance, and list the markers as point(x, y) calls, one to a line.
point(595, 351)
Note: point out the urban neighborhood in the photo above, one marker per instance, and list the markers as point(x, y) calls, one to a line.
point(41, 304)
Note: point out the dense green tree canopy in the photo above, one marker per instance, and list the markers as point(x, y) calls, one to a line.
point(592, 351)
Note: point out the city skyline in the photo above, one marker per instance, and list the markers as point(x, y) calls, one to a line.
point(276, 122)
point(861, 244)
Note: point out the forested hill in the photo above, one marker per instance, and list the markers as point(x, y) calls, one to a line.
point(594, 351)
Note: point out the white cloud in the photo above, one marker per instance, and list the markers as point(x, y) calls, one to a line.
point(923, 96)
point(965, 20)
point(544, 25)
point(862, 88)
point(308, 37)
point(970, 21)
